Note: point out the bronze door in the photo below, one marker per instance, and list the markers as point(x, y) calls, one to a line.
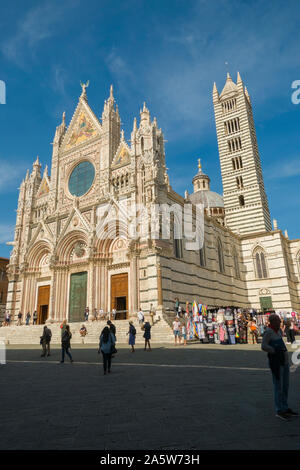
point(78, 295)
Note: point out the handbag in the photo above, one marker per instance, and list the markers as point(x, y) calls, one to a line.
point(113, 349)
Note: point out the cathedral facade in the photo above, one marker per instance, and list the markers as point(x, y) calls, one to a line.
point(68, 254)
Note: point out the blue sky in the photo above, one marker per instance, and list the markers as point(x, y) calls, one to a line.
point(167, 53)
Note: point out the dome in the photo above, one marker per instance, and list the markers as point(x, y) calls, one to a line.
point(208, 198)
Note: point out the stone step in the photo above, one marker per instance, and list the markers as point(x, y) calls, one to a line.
point(160, 332)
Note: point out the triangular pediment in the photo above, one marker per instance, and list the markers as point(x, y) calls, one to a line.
point(122, 156)
point(42, 232)
point(75, 221)
point(83, 126)
point(44, 187)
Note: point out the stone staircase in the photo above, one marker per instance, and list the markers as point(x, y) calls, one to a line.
point(160, 332)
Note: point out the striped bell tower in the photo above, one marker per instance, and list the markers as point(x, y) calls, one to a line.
point(245, 200)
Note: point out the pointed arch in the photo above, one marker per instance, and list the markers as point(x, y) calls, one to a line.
point(67, 243)
point(105, 239)
point(37, 252)
point(260, 263)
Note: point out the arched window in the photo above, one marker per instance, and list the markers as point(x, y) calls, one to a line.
point(202, 256)
point(260, 264)
point(142, 144)
point(236, 264)
point(221, 256)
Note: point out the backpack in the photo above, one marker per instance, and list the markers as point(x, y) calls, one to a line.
point(133, 330)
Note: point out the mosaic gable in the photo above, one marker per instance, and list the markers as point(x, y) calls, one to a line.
point(83, 130)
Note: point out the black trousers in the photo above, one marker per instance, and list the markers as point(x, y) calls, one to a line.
point(106, 361)
point(290, 335)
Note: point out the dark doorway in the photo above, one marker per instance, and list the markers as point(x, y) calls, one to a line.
point(44, 313)
point(121, 308)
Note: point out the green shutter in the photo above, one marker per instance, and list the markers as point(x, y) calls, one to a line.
point(266, 303)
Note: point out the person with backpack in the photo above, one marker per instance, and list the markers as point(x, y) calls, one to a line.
point(131, 333)
point(106, 346)
point(65, 344)
point(45, 341)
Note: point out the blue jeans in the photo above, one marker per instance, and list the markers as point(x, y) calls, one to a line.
point(65, 351)
point(281, 389)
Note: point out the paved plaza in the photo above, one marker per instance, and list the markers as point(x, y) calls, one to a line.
point(198, 397)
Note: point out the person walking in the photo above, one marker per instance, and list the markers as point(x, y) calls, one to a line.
point(35, 317)
point(28, 316)
point(106, 346)
point(176, 304)
point(45, 341)
point(289, 331)
point(147, 335)
point(273, 344)
point(176, 330)
point(131, 333)
point(65, 344)
point(19, 319)
point(140, 316)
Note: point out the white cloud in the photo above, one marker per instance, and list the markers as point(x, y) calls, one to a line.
point(36, 26)
point(189, 54)
point(288, 168)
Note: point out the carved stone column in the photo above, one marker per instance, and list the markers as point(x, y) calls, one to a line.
point(52, 310)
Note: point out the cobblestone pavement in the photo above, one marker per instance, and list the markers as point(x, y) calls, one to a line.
point(197, 397)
